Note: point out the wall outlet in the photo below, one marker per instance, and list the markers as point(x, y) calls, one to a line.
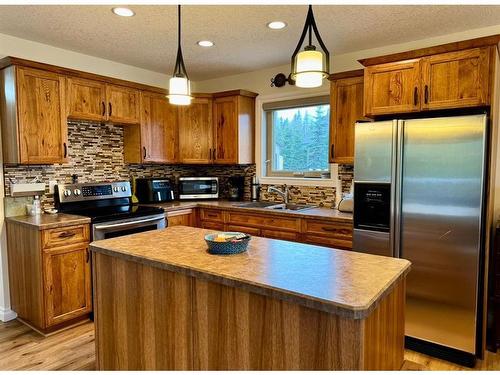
point(52, 183)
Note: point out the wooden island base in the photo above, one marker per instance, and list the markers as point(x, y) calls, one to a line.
point(148, 318)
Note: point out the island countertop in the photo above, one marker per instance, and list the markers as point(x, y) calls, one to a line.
point(341, 282)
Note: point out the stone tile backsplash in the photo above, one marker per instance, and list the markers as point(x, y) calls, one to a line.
point(96, 155)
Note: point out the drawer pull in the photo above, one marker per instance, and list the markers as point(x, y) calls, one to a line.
point(87, 255)
point(212, 215)
point(329, 229)
point(66, 234)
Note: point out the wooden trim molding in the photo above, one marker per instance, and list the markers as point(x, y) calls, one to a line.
point(347, 74)
point(443, 48)
point(246, 93)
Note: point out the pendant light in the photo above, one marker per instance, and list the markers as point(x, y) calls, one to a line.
point(179, 88)
point(310, 66)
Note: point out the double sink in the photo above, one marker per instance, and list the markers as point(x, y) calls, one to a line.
point(276, 206)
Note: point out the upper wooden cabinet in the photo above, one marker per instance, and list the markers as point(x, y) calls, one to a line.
point(123, 104)
point(34, 128)
point(155, 140)
point(441, 81)
point(392, 88)
point(234, 125)
point(196, 132)
point(346, 107)
point(456, 79)
point(86, 99)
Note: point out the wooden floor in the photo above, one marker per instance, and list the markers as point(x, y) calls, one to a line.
point(23, 349)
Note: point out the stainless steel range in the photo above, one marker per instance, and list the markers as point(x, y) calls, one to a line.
point(109, 206)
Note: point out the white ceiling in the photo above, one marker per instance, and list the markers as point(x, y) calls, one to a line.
point(242, 40)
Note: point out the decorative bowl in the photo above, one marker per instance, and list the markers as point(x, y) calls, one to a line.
point(228, 247)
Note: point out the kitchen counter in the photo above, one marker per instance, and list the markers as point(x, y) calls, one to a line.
point(313, 213)
point(325, 296)
point(48, 221)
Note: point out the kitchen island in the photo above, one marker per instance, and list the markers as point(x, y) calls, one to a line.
point(163, 303)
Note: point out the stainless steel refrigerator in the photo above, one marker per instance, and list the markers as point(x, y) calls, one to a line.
point(418, 195)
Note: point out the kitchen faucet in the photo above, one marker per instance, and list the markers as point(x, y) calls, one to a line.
point(283, 193)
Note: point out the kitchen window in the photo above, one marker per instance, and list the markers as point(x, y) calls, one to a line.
point(297, 137)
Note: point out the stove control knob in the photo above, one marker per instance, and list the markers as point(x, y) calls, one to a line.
point(124, 188)
point(67, 193)
point(77, 192)
point(115, 189)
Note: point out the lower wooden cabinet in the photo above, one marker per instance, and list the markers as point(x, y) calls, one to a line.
point(49, 275)
point(182, 217)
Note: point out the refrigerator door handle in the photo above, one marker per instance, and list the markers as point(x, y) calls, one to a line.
point(397, 182)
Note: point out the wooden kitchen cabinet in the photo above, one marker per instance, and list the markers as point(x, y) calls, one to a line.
point(49, 274)
point(456, 79)
point(32, 106)
point(67, 283)
point(86, 99)
point(346, 107)
point(182, 217)
point(155, 139)
point(327, 233)
point(234, 127)
point(392, 88)
point(123, 104)
point(196, 132)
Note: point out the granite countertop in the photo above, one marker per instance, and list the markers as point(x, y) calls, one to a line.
point(342, 282)
point(313, 213)
point(47, 221)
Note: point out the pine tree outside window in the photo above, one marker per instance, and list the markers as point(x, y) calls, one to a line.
point(297, 133)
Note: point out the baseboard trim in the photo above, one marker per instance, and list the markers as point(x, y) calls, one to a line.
point(7, 315)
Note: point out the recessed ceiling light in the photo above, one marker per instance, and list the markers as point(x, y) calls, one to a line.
point(276, 25)
point(124, 12)
point(205, 43)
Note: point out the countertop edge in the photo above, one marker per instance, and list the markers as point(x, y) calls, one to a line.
point(38, 226)
point(352, 312)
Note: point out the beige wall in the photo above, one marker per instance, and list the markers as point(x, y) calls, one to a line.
point(259, 81)
point(26, 49)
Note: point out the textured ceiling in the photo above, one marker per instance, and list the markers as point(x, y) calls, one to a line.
point(242, 40)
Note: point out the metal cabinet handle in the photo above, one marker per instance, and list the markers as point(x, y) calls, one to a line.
point(110, 109)
point(210, 154)
point(213, 153)
point(332, 151)
point(66, 234)
point(65, 146)
point(426, 94)
point(103, 108)
point(415, 96)
point(87, 254)
point(144, 151)
point(329, 229)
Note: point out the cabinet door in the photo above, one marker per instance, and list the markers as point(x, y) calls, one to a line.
point(392, 88)
point(123, 104)
point(158, 129)
point(195, 132)
point(86, 99)
point(183, 217)
point(42, 130)
point(346, 107)
point(456, 79)
point(67, 283)
point(226, 130)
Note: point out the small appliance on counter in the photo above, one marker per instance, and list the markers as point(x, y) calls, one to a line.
point(153, 190)
point(198, 187)
point(236, 188)
point(255, 190)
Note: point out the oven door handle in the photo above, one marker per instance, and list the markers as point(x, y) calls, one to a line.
point(128, 223)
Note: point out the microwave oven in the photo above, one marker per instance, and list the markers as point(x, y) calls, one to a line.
point(198, 187)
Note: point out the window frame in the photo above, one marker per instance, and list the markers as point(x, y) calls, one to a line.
point(268, 110)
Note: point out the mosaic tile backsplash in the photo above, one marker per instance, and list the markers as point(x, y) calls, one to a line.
point(96, 155)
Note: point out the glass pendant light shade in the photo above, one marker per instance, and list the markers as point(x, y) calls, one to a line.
point(179, 87)
point(310, 66)
point(179, 91)
point(310, 69)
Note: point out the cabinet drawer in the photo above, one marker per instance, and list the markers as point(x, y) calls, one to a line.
point(328, 241)
point(65, 236)
point(212, 215)
point(280, 235)
point(264, 221)
point(328, 229)
point(247, 230)
point(212, 225)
